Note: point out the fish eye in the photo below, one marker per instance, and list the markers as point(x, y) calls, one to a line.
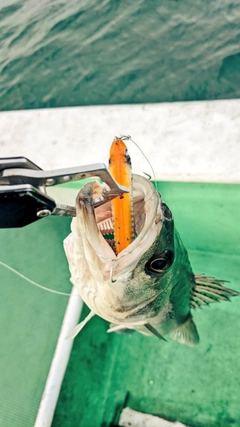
point(159, 263)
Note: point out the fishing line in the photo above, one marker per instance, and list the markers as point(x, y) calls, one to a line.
point(129, 138)
point(32, 282)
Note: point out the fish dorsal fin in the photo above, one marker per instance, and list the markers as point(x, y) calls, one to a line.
point(207, 290)
point(186, 333)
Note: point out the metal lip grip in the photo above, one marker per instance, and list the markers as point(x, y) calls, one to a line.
point(23, 197)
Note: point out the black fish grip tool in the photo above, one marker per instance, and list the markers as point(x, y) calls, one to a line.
point(23, 195)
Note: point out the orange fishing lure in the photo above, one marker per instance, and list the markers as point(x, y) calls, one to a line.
point(122, 207)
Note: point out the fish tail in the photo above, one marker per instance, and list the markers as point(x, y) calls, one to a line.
point(208, 290)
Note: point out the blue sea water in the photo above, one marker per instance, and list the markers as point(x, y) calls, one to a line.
point(85, 52)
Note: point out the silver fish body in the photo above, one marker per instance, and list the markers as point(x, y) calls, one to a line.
point(149, 286)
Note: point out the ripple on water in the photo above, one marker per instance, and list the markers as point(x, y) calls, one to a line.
point(78, 53)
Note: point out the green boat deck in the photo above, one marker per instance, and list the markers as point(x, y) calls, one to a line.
point(30, 318)
point(198, 386)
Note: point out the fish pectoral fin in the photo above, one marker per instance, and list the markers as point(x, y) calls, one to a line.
point(208, 290)
point(80, 325)
point(119, 328)
point(154, 331)
point(186, 333)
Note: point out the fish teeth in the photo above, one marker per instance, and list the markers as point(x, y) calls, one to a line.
point(106, 225)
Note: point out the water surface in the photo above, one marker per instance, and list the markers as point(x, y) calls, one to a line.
point(57, 53)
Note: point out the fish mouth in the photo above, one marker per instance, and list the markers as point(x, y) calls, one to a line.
point(147, 217)
point(104, 219)
point(95, 228)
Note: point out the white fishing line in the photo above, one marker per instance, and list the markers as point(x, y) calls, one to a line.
point(129, 138)
point(32, 282)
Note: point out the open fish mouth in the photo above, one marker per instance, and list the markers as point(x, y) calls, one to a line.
point(104, 219)
point(144, 212)
point(96, 224)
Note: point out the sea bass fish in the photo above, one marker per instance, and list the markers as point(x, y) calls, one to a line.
point(149, 286)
